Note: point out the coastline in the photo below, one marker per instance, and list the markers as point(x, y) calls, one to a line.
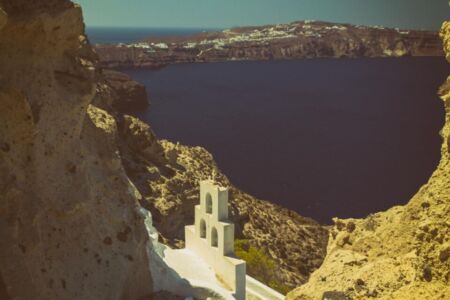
point(298, 40)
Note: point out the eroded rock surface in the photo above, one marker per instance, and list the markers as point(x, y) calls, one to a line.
point(402, 253)
point(131, 95)
point(70, 226)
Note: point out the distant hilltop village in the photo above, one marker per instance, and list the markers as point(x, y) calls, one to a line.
point(297, 40)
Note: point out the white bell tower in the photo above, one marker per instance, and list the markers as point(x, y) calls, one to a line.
point(212, 237)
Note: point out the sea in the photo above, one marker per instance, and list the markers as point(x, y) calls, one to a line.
point(323, 137)
point(115, 35)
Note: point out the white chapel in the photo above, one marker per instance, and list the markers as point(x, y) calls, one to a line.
point(207, 268)
point(212, 237)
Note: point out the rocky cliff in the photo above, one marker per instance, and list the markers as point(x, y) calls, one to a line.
point(130, 96)
point(70, 224)
point(403, 253)
point(296, 40)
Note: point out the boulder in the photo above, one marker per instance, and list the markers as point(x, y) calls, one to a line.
point(131, 95)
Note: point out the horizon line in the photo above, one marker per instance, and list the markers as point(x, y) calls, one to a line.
point(259, 25)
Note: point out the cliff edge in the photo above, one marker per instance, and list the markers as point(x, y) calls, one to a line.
point(403, 253)
point(70, 223)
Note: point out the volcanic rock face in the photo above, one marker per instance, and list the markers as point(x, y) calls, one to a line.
point(70, 226)
point(285, 41)
point(403, 253)
point(131, 95)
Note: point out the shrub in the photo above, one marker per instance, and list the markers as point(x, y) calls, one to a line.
point(259, 265)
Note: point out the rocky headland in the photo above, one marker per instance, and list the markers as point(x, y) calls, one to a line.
point(402, 253)
point(128, 95)
point(297, 40)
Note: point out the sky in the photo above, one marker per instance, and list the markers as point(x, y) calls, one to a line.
point(208, 14)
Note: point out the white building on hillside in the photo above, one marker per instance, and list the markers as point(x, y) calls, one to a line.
point(212, 238)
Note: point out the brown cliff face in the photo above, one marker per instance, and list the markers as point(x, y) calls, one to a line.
point(131, 95)
point(403, 253)
point(296, 40)
point(69, 221)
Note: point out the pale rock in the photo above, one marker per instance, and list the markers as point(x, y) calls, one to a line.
point(70, 225)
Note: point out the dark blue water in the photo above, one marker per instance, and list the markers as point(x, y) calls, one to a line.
point(111, 35)
point(323, 137)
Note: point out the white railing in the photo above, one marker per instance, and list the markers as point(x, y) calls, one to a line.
point(261, 291)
